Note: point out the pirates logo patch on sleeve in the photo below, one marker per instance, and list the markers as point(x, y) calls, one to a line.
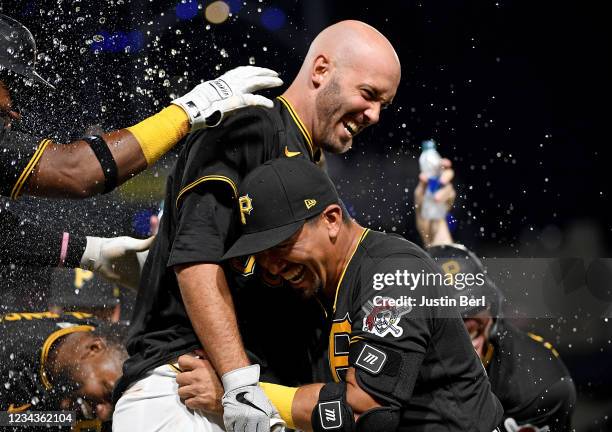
point(382, 320)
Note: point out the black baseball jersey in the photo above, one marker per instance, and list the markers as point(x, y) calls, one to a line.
point(417, 358)
point(26, 338)
point(530, 379)
point(19, 154)
point(199, 223)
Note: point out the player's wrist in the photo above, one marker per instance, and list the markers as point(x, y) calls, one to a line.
point(160, 132)
point(75, 248)
point(241, 377)
point(91, 254)
point(282, 399)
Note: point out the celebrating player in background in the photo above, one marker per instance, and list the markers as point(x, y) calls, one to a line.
point(56, 361)
point(350, 73)
point(526, 373)
point(395, 366)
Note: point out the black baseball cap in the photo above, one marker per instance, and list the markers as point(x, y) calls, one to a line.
point(275, 201)
point(18, 50)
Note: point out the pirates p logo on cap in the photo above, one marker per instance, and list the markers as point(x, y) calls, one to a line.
point(246, 207)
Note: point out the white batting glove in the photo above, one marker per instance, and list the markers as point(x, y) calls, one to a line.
point(511, 426)
point(118, 259)
point(246, 408)
point(209, 102)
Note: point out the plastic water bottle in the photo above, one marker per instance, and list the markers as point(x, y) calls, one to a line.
point(430, 163)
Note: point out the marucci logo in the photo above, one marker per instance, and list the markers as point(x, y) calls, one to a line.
point(371, 359)
point(329, 413)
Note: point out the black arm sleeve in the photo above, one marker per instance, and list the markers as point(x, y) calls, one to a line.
point(22, 242)
point(399, 333)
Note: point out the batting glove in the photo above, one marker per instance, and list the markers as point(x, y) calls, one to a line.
point(246, 407)
point(118, 259)
point(209, 102)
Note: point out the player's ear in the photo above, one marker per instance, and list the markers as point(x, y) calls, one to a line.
point(96, 345)
point(320, 70)
point(332, 217)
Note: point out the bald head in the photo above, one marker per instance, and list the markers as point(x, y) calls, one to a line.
point(350, 73)
point(351, 42)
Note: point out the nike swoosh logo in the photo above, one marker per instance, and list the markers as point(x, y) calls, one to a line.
point(240, 398)
point(290, 153)
point(13, 409)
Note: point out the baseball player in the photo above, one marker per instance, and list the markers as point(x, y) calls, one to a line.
point(95, 164)
point(395, 365)
point(53, 361)
point(185, 302)
point(526, 372)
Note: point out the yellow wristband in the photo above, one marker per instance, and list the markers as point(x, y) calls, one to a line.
point(282, 398)
point(160, 132)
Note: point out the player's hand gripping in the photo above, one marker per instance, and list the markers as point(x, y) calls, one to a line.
point(209, 102)
point(118, 259)
point(246, 407)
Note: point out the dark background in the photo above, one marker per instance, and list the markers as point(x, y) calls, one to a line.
point(512, 91)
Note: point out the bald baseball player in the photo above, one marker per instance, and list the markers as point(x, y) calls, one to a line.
point(350, 73)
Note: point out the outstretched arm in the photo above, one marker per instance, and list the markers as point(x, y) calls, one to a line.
point(90, 166)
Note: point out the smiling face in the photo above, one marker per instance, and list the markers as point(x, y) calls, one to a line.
point(94, 368)
point(96, 379)
point(297, 260)
point(351, 99)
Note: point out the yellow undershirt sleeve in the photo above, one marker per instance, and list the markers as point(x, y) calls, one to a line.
point(160, 132)
point(282, 398)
